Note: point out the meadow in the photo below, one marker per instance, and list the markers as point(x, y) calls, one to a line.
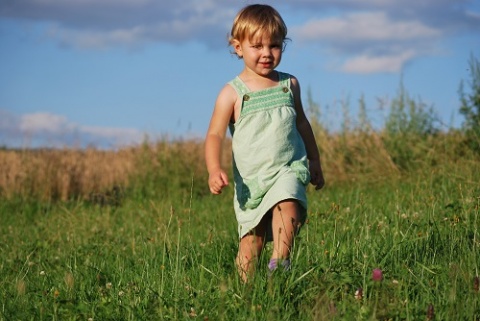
point(133, 233)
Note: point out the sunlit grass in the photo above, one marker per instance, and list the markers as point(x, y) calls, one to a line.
point(172, 258)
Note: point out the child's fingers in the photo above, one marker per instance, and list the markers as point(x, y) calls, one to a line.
point(216, 189)
point(321, 183)
point(224, 179)
point(218, 183)
point(318, 181)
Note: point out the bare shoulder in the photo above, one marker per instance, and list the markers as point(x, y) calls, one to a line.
point(294, 83)
point(228, 103)
point(295, 86)
point(223, 111)
point(227, 96)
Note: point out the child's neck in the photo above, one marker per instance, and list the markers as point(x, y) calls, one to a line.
point(255, 81)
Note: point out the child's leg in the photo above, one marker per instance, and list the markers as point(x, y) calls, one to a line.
point(250, 249)
point(285, 224)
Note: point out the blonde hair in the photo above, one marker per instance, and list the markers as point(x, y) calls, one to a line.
point(257, 18)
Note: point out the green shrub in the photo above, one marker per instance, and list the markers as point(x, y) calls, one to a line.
point(470, 106)
point(407, 128)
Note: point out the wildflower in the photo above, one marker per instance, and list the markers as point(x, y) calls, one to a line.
point(56, 293)
point(273, 264)
point(359, 294)
point(377, 275)
point(108, 285)
point(121, 293)
point(42, 273)
point(192, 312)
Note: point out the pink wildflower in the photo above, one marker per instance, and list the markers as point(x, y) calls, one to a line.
point(377, 275)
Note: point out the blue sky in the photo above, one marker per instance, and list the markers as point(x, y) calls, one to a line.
point(111, 72)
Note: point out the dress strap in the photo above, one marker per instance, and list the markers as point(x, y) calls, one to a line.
point(242, 89)
point(239, 86)
point(284, 79)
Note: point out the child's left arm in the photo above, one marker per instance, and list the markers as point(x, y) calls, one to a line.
point(305, 130)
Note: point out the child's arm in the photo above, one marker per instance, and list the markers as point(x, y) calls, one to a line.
point(305, 130)
point(221, 116)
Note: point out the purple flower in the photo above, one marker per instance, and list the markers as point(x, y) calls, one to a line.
point(377, 275)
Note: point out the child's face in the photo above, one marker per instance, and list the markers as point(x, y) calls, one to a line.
point(260, 54)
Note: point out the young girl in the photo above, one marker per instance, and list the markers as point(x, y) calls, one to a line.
point(275, 155)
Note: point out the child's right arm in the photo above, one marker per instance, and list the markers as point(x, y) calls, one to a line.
point(222, 114)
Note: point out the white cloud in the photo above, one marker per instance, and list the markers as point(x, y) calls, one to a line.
point(101, 24)
point(94, 39)
point(120, 136)
point(176, 28)
point(371, 42)
point(44, 122)
point(371, 64)
point(47, 129)
point(352, 29)
point(365, 26)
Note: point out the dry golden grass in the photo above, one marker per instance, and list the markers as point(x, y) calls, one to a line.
point(62, 174)
point(346, 157)
point(70, 173)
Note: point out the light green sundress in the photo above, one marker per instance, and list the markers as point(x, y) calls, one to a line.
point(269, 156)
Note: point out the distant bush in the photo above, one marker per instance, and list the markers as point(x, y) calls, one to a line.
point(470, 106)
point(407, 128)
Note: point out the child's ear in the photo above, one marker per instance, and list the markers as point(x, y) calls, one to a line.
point(237, 47)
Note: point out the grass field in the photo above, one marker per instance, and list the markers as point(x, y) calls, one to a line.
point(157, 246)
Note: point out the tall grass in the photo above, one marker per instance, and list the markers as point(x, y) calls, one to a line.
point(171, 258)
point(161, 168)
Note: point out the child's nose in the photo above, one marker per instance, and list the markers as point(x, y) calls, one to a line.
point(267, 51)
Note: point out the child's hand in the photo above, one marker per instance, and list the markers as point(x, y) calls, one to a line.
point(217, 181)
point(316, 174)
